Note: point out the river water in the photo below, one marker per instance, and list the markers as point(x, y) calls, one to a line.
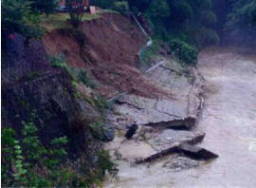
point(229, 121)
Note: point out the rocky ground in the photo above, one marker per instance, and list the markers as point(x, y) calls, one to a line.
point(228, 120)
point(163, 124)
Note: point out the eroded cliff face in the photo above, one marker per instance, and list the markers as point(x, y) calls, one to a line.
point(107, 47)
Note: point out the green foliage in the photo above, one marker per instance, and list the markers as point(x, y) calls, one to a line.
point(148, 53)
point(77, 75)
point(97, 129)
point(101, 103)
point(158, 9)
point(184, 51)
point(105, 163)
point(185, 23)
point(209, 18)
point(44, 6)
point(76, 11)
point(106, 4)
point(17, 16)
point(84, 78)
point(206, 36)
point(27, 155)
point(120, 6)
point(243, 14)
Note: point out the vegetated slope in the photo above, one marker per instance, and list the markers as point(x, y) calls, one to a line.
point(108, 48)
point(40, 105)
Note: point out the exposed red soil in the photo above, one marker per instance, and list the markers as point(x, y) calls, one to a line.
point(110, 53)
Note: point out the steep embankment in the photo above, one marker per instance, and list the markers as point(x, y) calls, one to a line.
point(108, 48)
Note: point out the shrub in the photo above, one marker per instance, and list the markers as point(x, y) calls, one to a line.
point(76, 11)
point(147, 53)
point(205, 37)
point(120, 6)
point(185, 52)
point(18, 17)
point(78, 75)
point(28, 155)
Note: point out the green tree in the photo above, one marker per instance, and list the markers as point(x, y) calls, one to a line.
point(76, 11)
point(18, 17)
point(243, 14)
point(44, 6)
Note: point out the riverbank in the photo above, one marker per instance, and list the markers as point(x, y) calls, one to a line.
point(228, 121)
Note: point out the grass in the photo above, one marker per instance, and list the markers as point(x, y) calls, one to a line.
point(60, 20)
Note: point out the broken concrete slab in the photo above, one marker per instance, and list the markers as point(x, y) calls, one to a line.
point(178, 124)
point(158, 155)
point(178, 163)
point(167, 138)
point(188, 150)
point(196, 152)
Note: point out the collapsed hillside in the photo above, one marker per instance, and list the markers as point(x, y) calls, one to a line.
point(66, 97)
point(108, 48)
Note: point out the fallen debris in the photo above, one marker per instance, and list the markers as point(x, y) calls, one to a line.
point(168, 137)
point(196, 152)
point(171, 150)
point(131, 131)
point(177, 124)
point(188, 150)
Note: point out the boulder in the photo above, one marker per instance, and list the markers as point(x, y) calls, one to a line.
point(131, 131)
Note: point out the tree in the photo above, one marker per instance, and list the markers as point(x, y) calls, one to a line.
point(44, 6)
point(243, 14)
point(18, 17)
point(76, 11)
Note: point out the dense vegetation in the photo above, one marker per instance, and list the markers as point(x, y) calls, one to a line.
point(27, 162)
point(187, 26)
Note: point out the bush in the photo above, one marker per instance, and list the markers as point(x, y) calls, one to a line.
point(205, 37)
point(147, 53)
point(120, 6)
point(33, 163)
point(185, 52)
point(18, 17)
point(78, 75)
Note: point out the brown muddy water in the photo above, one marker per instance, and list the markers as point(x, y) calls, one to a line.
point(229, 121)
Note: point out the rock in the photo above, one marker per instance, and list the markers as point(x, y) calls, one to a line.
point(131, 131)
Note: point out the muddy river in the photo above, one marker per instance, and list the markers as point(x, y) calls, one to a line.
point(229, 121)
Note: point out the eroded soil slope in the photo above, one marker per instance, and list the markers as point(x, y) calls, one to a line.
point(108, 48)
